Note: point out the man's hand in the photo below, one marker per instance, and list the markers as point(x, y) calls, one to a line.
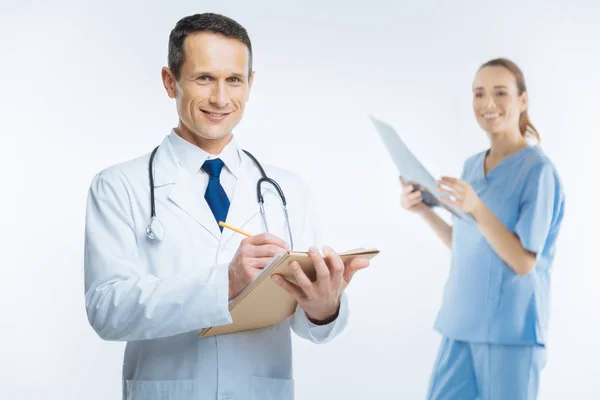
point(320, 300)
point(254, 254)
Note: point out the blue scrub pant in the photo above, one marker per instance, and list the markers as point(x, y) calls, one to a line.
point(482, 371)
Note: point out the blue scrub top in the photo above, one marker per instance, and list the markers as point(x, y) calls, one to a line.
point(484, 299)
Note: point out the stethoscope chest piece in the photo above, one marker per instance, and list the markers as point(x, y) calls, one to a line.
point(155, 229)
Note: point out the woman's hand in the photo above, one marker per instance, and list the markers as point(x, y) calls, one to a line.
point(411, 199)
point(462, 195)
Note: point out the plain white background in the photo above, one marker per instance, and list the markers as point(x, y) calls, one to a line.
point(81, 90)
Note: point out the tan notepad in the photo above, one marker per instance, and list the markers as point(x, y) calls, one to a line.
point(264, 303)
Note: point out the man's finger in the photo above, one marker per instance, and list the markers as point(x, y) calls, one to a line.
point(267, 250)
point(335, 264)
point(259, 263)
point(265, 238)
point(356, 264)
point(289, 287)
point(320, 265)
point(302, 280)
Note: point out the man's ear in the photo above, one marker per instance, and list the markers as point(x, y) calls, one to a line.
point(250, 81)
point(169, 81)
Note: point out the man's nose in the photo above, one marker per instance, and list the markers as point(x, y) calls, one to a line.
point(219, 96)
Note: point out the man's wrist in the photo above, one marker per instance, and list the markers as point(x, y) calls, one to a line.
point(326, 320)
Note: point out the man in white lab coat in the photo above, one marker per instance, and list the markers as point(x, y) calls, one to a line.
point(158, 294)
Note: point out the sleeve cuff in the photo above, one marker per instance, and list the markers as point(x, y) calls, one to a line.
point(321, 332)
point(529, 240)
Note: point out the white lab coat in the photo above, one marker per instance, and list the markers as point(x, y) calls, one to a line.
point(157, 296)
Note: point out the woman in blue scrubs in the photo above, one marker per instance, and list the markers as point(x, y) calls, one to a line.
point(494, 316)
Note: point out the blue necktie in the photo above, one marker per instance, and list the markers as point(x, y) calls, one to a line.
point(215, 194)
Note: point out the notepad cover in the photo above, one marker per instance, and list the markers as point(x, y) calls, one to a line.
point(264, 303)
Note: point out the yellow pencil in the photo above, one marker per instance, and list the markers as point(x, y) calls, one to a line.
point(224, 225)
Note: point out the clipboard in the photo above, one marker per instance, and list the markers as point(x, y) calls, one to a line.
point(411, 169)
point(264, 303)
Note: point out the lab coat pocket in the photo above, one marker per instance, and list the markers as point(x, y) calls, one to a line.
point(160, 390)
point(272, 389)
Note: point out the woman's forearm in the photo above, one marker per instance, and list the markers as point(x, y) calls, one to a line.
point(506, 244)
point(439, 226)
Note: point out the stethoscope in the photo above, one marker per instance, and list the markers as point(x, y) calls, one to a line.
point(155, 229)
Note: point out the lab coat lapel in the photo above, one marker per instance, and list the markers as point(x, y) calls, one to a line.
point(244, 205)
point(186, 196)
point(185, 192)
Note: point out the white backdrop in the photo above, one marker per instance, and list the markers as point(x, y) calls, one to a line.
point(81, 90)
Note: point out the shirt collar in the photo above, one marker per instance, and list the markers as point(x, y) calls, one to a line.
point(193, 157)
